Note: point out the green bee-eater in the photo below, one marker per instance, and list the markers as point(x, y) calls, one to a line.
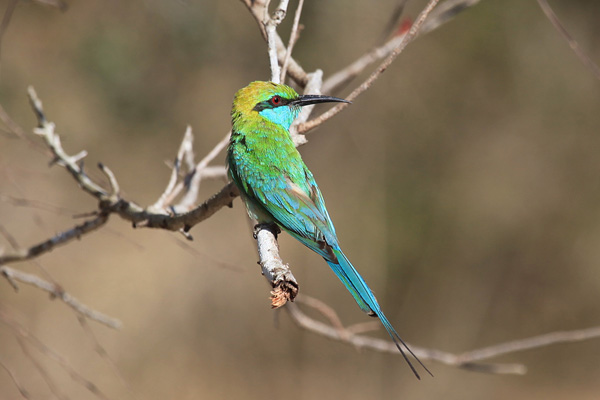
point(278, 188)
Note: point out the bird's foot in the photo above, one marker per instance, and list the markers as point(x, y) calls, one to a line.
point(271, 227)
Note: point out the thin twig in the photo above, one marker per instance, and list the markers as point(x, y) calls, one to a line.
point(34, 203)
point(60, 239)
point(271, 23)
point(41, 370)
point(395, 16)
point(10, 8)
point(193, 185)
point(22, 332)
point(185, 152)
point(351, 71)
point(14, 276)
point(46, 131)
point(293, 39)
point(305, 127)
point(295, 71)
point(24, 393)
point(440, 15)
point(313, 86)
point(444, 13)
point(111, 202)
point(101, 351)
point(327, 311)
point(572, 42)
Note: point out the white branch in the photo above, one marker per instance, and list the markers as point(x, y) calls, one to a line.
point(279, 275)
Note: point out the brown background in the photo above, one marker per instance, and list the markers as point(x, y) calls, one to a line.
point(464, 186)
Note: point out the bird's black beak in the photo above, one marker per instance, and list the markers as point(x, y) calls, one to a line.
point(309, 99)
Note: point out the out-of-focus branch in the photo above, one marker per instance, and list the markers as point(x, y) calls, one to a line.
point(22, 391)
point(52, 386)
point(572, 42)
point(21, 332)
point(351, 71)
point(48, 245)
point(439, 16)
point(471, 360)
point(61, 5)
point(445, 12)
point(414, 30)
point(13, 276)
point(10, 8)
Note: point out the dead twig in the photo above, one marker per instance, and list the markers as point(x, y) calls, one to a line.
point(305, 127)
point(592, 66)
point(471, 360)
point(14, 276)
point(60, 239)
point(22, 391)
point(21, 332)
point(292, 41)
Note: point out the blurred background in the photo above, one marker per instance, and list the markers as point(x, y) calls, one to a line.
point(463, 185)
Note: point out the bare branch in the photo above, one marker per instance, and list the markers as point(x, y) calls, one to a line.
point(41, 370)
point(295, 71)
point(113, 203)
point(532, 343)
point(572, 42)
point(440, 15)
point(327, 311)
point(112, 179)
point(22, 332)
point(305, 127)
point(445, 12)
point(21, 389)
point(101, 351)
point(46, 131)
point(293, 38)
point(195, 176)
point(395, 16)
point(313, 86)
point(33, 203)
point(64, 237)
point(351, 71)
point(185, 150)
point(279, 275)
point(470, 360)
point(14, 276)
point(271, 24)
point(10, 8)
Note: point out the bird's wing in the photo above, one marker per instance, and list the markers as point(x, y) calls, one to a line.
point(296, 205)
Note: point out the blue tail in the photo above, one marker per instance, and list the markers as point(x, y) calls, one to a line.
point(359, 289)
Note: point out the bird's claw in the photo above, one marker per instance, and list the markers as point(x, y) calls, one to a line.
point(273, 228)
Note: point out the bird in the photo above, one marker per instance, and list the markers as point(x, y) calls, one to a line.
point(278, 188)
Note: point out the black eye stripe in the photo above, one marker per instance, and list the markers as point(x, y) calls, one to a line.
point(263, 105)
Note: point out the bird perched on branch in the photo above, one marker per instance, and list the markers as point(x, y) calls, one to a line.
point(278, 188)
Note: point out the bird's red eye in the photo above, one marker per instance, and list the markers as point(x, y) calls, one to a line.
point(276, 100)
